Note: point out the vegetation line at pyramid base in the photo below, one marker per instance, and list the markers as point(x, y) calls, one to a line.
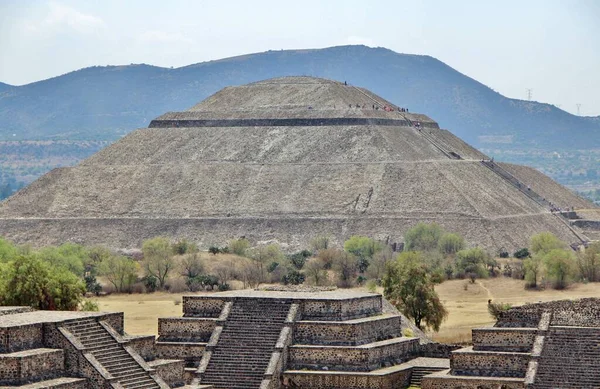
point(431, 256)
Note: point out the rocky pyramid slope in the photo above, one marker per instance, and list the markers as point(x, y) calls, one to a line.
point(285, 159)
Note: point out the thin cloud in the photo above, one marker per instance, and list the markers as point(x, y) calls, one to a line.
point(62, 17)
point(360, 40)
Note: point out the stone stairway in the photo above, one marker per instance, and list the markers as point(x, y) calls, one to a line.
point(419, 372)
point(111, 355)
point(569, 359)
point(246, 343)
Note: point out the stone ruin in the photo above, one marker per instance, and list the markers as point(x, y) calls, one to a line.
point(286, 160)
point(311, 340)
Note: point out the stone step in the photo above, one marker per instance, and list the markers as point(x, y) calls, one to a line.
point(56, 383)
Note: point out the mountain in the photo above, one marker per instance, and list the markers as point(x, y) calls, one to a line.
point(4, 87)
point(108, 102)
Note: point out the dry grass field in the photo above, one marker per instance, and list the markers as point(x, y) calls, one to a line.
point(467, 308)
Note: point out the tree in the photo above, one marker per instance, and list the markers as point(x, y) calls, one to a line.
point(423, 237)
point(588, 262)
point(407, 284)
point(239, 246)
point(544, 242)
point(560, 267)
point(346, 266)
point(7, 251)
point(472, 262)
point(380, 262)
point(27, 280)
point(450, 244)
point(315, 270)
point(533, 271)
point(120, 271)
point(363, 248)
point(319, 243)
point(158, 259)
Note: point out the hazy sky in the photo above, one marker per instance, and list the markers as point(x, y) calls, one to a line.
point(549, 46)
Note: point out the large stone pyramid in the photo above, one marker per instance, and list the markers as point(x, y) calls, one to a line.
point(288, 159)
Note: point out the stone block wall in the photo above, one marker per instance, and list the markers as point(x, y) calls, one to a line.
point(202, 306)
point(467, 362)
point(578, 313)
point(443, 381)
point(347, 358)
point(341, 309)
point(397, 379)
point(190, 352)
point(503, 339)
point(171, 371)
point(186, 328)
point(30, 365)
point(21, 337)
point(347, 333)
point(143, 345)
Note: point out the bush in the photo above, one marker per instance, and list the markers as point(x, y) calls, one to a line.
point(272, 266)
point(224, 287)
point(89, 306)
point(150, 283)
point(371, 286)
point(407, 332)
point(214, 250)
point(496, 309)
point(92, 285)
point(239, 246)
point(320, 243)
point(293, 277)
point(360, 280)
point(504, 254)
point(522, 253)
point(183, 247)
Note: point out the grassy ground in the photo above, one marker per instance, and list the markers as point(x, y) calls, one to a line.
point(467, 308)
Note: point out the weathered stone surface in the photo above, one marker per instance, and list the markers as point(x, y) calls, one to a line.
point(287, 159)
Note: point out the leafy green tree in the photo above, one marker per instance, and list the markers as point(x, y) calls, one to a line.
point(423, 237)
point(8, 251)
point(158, 259)
point(544, 242)
point(72, 257)
point(407, 284)
point(588, 262)
point(472, 262)
point(560, 267)
point(522, 253)
point(119, 271)
point(450, 244)
point(533, 271)
point(363, 248)
point(27, 280)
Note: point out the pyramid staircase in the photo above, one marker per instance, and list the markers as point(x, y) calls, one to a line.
point(127, 371)
point(418, 372)
point(570, 354)
point(246, 344)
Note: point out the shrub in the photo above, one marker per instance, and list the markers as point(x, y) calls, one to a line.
point(407, 332)
point(92, 285)
point(239, 246)
point(371, 286)
point(496, 309)
point(272, 266)
point(224, 287)
point(504, 254)
point(522, 253)
point(293, 277)
point(320, 243)
point(214, 250)
point(89, 306)
point(360, 280)
point(150, 283)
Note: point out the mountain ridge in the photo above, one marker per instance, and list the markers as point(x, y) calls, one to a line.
point(108, 102)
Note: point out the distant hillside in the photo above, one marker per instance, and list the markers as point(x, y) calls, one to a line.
point(4, 87)
point(107, 102)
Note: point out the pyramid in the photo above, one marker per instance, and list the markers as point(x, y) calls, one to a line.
point(286, 160)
